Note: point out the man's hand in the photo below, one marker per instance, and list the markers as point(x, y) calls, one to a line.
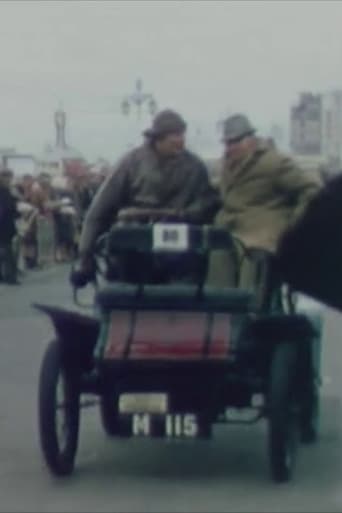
point(83, 274)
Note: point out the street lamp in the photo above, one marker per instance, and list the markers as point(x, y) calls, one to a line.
point(138, 99)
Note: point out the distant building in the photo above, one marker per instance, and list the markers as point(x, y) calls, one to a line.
point(4, 154)
point(305, 125)
point(56, 158)
point(19, 163)
point(331, 128)
point(316, 129)
point(22, 164)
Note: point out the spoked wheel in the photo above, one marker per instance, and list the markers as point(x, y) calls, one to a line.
point(59, 413)
point(283, 412)
point(309, 428)
point(310, 391)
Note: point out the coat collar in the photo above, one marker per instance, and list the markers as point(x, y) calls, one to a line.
point(233, 172)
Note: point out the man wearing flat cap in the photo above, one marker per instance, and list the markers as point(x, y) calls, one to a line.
point(263, 193)
point(161, 173)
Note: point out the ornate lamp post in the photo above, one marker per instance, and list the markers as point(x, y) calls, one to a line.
point(138, 99)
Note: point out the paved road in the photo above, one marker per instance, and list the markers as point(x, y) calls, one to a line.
point(229, 473)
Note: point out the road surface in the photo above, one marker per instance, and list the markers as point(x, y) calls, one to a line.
point(227, 474)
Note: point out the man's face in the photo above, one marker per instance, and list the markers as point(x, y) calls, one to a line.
point(238, 149)
point(171, 144)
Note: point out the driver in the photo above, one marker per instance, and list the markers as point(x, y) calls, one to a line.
point(161, 173)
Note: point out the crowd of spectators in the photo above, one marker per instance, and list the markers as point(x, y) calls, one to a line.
point(40, 219)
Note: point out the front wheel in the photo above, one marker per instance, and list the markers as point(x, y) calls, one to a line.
point(310, 387)
point(283, 412)
point(59, 412)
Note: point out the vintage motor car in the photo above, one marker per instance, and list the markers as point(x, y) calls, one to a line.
point(168, 357)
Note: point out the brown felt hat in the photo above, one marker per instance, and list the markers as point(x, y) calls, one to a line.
point(166, 122)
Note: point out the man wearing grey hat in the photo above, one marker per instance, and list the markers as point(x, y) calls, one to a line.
point(161, 173)
point(263, 193)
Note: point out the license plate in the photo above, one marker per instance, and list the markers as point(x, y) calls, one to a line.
point(174, 425)
point(143, 403)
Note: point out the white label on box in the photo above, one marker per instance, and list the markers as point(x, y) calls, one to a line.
point(170, 237)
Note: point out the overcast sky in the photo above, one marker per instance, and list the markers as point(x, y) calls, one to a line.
point(202, 58)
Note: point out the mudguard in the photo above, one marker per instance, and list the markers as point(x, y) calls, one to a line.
point(76, 332)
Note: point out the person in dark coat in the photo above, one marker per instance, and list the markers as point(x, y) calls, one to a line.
point(160, 174)
point(310, 253)
point(8, 216)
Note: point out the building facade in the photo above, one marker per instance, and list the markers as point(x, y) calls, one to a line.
point(305, 125)
point(331, 127)
point(55, 158)
point(19, 163)
point(316, 128)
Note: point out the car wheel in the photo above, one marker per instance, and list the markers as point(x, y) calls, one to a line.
point(59, 413)
point(283, 412)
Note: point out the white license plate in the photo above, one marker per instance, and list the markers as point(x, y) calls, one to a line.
point(175, 425)
point(143, 403)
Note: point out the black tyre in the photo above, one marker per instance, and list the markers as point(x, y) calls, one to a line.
point(283, 412)
point(109, 414)
point(59, 399)
point(309, 425)
point(310, 393)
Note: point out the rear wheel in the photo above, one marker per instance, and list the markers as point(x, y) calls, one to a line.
point(283, 412)
point(310, 388)
point(59, 412)
point(309, 428)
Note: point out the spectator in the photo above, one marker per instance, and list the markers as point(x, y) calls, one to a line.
point(8, 215)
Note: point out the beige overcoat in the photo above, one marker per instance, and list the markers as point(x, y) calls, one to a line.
point(262, 196)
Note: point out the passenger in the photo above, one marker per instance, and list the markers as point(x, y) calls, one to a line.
point(161, 173)
point(263, 193)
